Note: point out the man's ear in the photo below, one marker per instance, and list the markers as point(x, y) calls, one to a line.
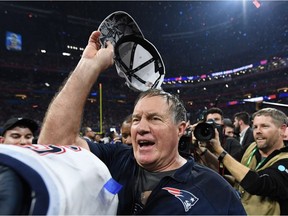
point(240, 122)
point(181, 128)
point(2, 139)
point(283, 128)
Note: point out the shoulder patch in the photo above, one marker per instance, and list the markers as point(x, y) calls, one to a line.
point(282, 168)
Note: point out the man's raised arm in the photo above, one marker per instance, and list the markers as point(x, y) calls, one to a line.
point(62, 120)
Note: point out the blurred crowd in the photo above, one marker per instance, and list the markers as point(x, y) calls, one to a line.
point(28, 87)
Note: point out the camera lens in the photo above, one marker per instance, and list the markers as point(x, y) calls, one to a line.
point(204, 132)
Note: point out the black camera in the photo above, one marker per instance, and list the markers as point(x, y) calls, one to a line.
point(205, 131)
point(185, 143)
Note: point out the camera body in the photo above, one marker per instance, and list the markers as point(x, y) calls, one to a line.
point(185, 143)
point(205, 131)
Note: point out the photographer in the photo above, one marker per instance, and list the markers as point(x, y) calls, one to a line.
point(204, 132)
point(190, 146)
point(261, 178)
point(230, 144)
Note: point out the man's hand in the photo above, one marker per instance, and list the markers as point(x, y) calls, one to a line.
point(215, 144)
point(102, 57)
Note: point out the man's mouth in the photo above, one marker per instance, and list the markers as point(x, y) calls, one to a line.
point(142, 143)
point(260, 139)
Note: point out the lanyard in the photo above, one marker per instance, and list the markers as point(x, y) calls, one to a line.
point(251, 156)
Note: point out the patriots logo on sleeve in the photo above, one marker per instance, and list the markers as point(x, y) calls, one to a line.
point(188, 199)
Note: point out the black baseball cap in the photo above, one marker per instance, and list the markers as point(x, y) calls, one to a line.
point(13, 122)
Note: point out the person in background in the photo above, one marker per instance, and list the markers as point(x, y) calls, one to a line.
point(262, 177)
point(286, 136)
point(88, 133)
point(98, 138)
point(113, 136)
point(19, 131)
point(242, 127)
point(125, 130)
point(228, 127)
point(230, 144)
point(155, 179)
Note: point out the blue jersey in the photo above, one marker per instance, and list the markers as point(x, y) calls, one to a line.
point(192, 190)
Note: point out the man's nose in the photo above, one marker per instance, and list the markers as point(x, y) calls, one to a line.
point(257, 130)
point(24, 141)
point(143, 126)
point(128, 140)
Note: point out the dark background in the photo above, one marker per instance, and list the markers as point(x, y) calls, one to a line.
point(193, 37)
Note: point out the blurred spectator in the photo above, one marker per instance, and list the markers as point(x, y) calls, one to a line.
point(242, 127)
point(98, 138)
point(88, 134)
point(228, 127)
point(125, 130)
point(19, 131)
point(113, 136)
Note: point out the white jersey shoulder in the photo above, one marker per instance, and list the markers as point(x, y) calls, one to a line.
point(66, 180)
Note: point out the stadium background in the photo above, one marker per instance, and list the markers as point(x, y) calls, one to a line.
point(216, 53)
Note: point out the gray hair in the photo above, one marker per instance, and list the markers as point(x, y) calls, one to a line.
point(176, 108)
point(279, 117)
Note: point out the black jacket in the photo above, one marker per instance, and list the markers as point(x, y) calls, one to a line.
point(248, 138)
